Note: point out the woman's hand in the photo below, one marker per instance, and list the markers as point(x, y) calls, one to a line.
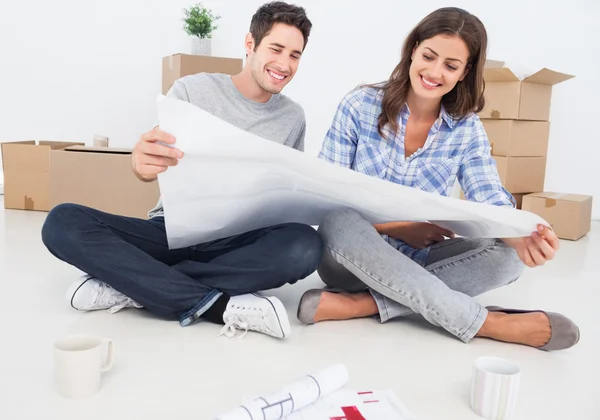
point(415, 234)
point(536, 249)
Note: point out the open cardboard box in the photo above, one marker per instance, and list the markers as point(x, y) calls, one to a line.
point(27, 173)
point(101, 178)
point(510, 96)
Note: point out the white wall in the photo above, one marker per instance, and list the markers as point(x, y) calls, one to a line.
point(71, 69)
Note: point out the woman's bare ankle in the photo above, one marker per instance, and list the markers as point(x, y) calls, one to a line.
point(339, 306)
point(532, 329)
point(491, 325)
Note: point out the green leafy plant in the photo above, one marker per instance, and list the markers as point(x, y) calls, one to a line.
point(199, 21)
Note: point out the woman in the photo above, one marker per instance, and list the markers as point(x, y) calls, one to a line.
point(420, 129)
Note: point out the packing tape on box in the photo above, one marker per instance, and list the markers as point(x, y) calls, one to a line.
point(551, 199)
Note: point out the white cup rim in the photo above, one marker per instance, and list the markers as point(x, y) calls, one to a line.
point(497, 366)
point(78, 342)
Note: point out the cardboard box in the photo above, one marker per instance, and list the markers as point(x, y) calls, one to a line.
point(522, 174)
point(27, 173)
point(101, 178)
point(180, 65)
point(518, 138)
point(569, 215)
point(508, 96)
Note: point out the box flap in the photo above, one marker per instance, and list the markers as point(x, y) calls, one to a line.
point(562, 196)
point(21, 157)
point(90, 149)
point(58, 144)
point(19, 142)
point(493, 64)
point(548, 77)
point(31, 142)
point(499, 75)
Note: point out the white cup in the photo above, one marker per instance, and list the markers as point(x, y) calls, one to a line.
point(494, 388)
point(79, 361)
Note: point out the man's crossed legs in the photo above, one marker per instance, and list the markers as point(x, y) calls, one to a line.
point(130, 265)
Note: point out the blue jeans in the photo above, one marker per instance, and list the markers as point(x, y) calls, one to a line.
point(357, 259)
point(132, 256)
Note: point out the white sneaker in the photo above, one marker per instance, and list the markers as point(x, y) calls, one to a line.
point(257, 313)
point(89, 294)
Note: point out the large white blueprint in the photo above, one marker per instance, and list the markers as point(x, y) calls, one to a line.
point(231, 181)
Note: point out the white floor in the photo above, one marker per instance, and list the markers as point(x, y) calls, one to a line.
point(164, 371)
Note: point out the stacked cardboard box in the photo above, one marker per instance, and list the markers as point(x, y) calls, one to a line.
point(516, 118)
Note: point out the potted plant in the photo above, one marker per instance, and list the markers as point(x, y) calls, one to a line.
point(199, 23)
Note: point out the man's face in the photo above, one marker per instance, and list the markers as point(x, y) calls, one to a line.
point(276, 59)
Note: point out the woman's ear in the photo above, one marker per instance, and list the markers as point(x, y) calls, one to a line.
point(412, 54)
point(467, 68)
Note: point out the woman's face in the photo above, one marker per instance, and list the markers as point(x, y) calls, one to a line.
point(438, 64)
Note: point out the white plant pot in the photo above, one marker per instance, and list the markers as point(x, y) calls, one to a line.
point(201, 46)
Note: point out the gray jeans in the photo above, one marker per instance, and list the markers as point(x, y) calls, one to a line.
point(358, 259)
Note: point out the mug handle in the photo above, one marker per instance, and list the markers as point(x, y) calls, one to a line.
point(110, 355)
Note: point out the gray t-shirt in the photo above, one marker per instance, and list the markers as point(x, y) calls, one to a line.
point(279, 119)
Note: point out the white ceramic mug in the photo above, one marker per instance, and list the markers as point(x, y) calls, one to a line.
point(79, 361)
point(494, 388)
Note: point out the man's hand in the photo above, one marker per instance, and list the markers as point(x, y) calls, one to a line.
point(150, 158)
point(415, 234)
point(536, 249)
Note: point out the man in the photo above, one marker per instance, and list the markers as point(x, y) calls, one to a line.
point(128, 260)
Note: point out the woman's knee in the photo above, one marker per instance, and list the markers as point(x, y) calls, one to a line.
point(336, 276)
point(510, 267)
point(336, 227)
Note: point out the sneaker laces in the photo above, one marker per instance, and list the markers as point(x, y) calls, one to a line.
point(113, 299)
point(244, 321)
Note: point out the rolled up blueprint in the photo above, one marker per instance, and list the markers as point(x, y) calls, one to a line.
point(231, 181)
point(293, 397)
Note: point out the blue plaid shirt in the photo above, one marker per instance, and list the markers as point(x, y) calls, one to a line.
point(453, 150)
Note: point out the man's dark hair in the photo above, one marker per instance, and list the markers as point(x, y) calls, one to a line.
point(279, 12)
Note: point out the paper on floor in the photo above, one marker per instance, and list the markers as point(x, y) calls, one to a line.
point(354, 405)
point(231, 181)
point(320, 397)
point(294, 397)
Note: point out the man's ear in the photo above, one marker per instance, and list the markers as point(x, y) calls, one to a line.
point(249, 43)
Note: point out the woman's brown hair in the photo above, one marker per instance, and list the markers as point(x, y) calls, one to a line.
point(467, 96)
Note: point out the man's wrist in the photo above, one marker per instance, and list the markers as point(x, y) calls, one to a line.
point(136, 173)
